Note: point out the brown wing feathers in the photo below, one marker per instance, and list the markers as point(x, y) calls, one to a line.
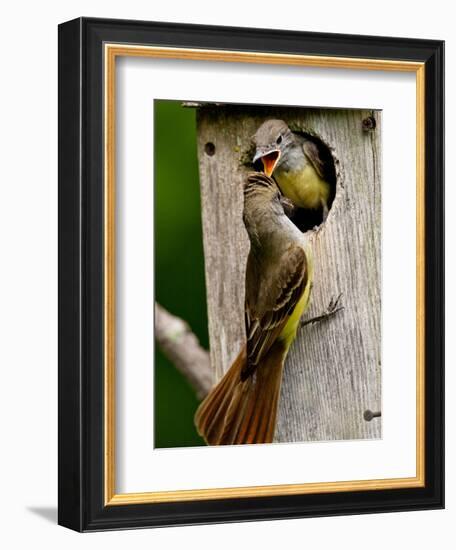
point(313, 155)
point(263, 330)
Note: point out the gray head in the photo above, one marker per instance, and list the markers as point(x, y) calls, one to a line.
point(272, 140)
point(262, 205)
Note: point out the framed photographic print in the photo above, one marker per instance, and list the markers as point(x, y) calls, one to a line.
point(250, 274)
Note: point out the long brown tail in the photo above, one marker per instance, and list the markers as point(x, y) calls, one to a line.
point(236, 411)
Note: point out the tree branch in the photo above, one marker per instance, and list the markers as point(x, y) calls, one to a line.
point(183, 349)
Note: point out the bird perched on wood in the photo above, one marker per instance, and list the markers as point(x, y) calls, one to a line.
point(296, 163)
point(242, 407)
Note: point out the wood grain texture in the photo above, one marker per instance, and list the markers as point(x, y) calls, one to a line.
point(333, 371)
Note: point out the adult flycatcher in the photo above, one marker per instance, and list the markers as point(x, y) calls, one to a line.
point(242, 407)
point(296, 164)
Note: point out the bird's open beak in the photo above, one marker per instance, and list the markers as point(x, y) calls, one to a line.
point(269, 159)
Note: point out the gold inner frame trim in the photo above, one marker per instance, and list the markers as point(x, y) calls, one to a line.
point(111, 52)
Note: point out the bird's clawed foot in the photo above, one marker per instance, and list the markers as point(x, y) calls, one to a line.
point(332, 307)
point(331, 310)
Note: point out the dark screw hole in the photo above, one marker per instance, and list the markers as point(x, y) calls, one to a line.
point(209, 149)
point(369, 123)
point(369, 415)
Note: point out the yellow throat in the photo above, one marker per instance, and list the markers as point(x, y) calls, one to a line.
point(305, 188)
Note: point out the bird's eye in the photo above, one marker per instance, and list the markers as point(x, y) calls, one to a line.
point(279, 140)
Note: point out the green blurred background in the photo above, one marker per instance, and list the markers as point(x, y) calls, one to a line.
point(179, 263)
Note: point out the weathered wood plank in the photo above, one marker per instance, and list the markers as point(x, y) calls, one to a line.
point(333, 372)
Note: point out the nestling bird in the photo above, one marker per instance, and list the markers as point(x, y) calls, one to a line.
point(296, 164)
point(242, 407)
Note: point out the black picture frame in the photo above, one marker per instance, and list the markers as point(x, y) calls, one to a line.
point(81, 428)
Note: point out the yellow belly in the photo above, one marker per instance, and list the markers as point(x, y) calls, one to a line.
point(304, 188)
point(288, 333)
